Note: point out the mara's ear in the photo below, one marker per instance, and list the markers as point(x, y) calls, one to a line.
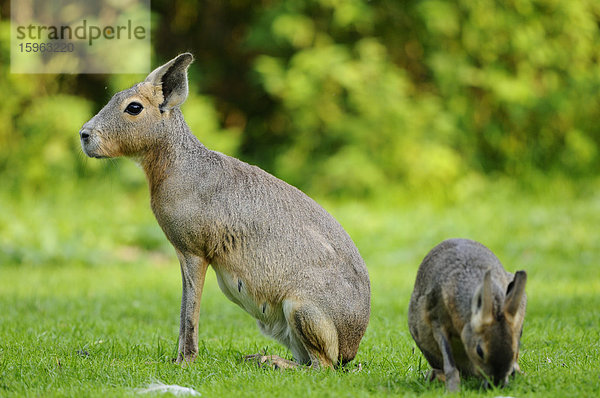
point(515, 293)
point(483, 302)
point(172, 79)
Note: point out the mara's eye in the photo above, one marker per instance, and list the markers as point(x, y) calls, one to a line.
point(134, 108)
point(479, 351)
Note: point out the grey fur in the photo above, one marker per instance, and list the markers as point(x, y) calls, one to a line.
point(277, 253)
point(460, 301)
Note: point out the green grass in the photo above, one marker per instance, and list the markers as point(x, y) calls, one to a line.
point(90, 290)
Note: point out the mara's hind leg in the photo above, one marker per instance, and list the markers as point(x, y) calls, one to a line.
point(309, 334)
point(315, 331)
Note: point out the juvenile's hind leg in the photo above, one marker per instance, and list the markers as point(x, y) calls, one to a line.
point(314, 330)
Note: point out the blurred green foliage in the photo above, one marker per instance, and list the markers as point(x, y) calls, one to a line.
point(425, 92)
point(346, 96)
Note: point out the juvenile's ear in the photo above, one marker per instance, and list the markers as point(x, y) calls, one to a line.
point(515, 293)
point(172, 79)
point(483, 302)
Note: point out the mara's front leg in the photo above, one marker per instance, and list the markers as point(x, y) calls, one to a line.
point(193, 272)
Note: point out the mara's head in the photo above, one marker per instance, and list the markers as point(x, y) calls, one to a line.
point(138, 118)
point(491, 338)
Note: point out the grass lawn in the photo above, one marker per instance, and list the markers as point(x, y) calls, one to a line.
point(90, 294)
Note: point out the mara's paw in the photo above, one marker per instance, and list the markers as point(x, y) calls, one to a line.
point(273, 361)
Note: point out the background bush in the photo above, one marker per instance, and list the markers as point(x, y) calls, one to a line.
point(345, 96)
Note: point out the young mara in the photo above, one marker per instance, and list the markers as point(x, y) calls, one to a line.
point(466, 313)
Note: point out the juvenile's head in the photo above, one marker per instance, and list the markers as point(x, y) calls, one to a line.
point(138, 118)
point(491, 338)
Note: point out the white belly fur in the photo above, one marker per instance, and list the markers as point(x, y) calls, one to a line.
point(235, 290)
point(271, 317)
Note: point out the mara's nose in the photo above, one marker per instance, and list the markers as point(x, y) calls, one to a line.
point(84, 133)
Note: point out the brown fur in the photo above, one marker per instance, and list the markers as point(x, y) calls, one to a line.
point(277, 254)
point(463, 298)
